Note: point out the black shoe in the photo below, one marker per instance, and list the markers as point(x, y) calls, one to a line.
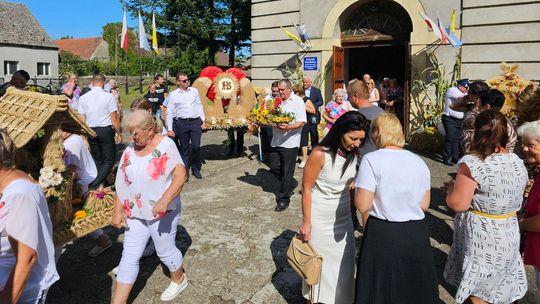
point(448, 162)
point(197, 174)
point(281, 206)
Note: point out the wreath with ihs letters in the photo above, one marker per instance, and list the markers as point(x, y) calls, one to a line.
point(227, 97)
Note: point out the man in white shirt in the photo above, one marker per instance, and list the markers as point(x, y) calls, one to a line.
point(185, 122)
point(99, 110)
point(452, 121)
point(285, 143)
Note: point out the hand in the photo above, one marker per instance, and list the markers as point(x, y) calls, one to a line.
point(160, 208)
point(203, 125)
point(351, 186)
point(171, 134)
point(283, 126)
point(118, 220)
point(305, 231)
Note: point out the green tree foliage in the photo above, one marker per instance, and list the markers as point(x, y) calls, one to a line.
point(197, 29)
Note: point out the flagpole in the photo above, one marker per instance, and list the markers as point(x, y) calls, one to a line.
point(126, 86)
point(140, 70)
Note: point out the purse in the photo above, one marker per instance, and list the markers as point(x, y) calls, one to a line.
point(305, 261)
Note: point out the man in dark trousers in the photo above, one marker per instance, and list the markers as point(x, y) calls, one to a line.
point(314, 94)
point(185, 122)
point(452, 121)
point(99, 110)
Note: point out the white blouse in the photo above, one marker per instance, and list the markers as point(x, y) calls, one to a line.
point(24, 216)
point(142, 180)
point(399, 180)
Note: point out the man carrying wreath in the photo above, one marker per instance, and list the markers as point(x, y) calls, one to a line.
point(285, 143)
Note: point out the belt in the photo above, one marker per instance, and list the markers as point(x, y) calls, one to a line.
point(186, 119)
point(493, 216)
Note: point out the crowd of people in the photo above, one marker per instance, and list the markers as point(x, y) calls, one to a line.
point(359, 165)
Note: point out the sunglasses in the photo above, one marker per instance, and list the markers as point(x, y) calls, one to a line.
point(184, 81)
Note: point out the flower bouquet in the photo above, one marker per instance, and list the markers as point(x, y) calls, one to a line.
point(225, 122)
point(269, 113)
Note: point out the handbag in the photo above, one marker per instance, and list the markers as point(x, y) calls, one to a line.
point(305, 261)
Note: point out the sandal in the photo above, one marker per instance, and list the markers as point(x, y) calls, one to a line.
point(97, 250)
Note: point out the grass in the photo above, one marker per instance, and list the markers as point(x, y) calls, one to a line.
point(133, 93)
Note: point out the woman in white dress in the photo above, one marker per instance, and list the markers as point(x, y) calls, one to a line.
point(327, 220)
point(27, 267)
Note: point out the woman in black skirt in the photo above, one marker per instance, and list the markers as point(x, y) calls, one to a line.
point(395, 264)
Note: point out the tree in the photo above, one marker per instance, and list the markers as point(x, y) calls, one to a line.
point(198, 27)
point(66, 37)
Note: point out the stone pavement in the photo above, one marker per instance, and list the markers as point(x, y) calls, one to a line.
point(234, 243)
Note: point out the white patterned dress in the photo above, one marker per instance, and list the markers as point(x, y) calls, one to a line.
point(484, 260)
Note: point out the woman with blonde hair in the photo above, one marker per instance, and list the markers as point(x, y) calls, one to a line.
point(395, 263)
point(335, 108)
point(374, 95)
point(148, 184)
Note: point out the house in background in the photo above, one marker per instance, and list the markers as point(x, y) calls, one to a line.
point(24, 45)
point(85, 48)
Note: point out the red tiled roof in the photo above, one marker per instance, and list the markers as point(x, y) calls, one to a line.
point(82, 47)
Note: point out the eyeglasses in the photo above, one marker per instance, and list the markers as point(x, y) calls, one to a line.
point(136, 134)
point(184, 81)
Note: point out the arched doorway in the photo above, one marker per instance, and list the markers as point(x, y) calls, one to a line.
point(375, 39)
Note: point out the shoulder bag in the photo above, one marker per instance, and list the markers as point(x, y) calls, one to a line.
point(305, 261)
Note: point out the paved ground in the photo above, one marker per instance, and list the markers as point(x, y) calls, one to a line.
point(234, 243)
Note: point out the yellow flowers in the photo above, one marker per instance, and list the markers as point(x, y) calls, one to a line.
point(265, 117)
point(430, 130)
point(80, 214)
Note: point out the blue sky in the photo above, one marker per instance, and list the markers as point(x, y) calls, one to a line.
point(79, 19)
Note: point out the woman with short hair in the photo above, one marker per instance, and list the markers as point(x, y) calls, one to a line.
point(335, 108)
point(27, 266)
point(530, 222)
point(148, 185)
point(395, 263)
point(327, 221)
point(484, 263)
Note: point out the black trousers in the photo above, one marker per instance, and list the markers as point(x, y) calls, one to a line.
point(237, 142)
point(452, 128)
point(266, 138)
point(189, 132)
point(103, 150)
point(282, 162)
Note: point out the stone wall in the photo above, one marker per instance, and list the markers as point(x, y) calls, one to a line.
point(500, 30)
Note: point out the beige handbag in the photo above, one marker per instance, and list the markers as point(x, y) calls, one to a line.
point(306, 262)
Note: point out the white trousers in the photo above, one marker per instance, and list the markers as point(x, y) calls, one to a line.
point(163, 233)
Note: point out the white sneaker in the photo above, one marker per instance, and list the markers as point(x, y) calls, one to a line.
point(174, 289)
point(115, 270)
point(302, 165)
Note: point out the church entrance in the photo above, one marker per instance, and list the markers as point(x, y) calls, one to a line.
point(375, 40)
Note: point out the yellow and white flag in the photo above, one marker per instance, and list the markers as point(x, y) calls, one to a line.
point(453, 22)
point(154, 35)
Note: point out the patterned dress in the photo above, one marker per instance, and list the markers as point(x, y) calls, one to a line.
point(484, 260)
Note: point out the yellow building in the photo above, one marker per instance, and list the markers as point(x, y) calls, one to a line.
point(390, 39)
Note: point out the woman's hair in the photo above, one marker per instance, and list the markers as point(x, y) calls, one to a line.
point(494, 98)
point(490, 132)
point(7, 150)
point(337, 92)
point(141, 119)
point(298, 90)
point(528, 106)
point(350, 121)
point(530, 130)
point(387, 131)
point(478, 88)
point(141, 103)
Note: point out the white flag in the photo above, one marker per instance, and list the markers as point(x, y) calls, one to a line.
point(143, 41)
point(124, 40)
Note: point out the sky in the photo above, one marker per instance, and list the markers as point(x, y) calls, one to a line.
point(80, 18)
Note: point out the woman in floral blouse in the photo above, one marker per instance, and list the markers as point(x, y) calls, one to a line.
point(148, 184)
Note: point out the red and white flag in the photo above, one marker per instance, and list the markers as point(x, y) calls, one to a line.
point(442, 29)
point(124, 40)
point(432, 25)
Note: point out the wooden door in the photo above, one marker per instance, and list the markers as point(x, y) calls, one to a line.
point(406, 88)
point(338, 71)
